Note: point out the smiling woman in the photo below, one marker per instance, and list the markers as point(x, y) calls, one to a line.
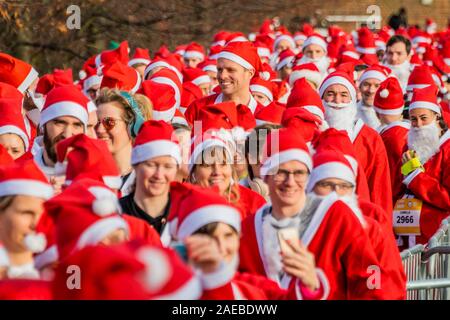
point(119, 114)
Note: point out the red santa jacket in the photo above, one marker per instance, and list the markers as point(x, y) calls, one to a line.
point(371, 155)
point(193, 111)
point(385, 247)
point(433, 188)
point(249, 201)
point(395, 137)
point(245, 286)
point(341, 246)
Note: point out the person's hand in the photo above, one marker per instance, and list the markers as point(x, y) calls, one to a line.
point(203, 252)
point(301, 264)
point(57, 183)
point(408, 155)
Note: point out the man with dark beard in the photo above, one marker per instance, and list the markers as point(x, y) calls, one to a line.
point(338, 95)
point(420, 210)
point(65, 114)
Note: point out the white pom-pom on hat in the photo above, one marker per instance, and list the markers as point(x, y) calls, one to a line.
point(35, 242)
point(384, 93)
point(82, 74)
point(60, 168)
point(104, 207)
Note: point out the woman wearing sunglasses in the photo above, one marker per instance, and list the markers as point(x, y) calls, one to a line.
point(120, 115)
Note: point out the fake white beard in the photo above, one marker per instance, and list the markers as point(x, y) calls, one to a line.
point(369, 116)
point(424, 140)
point(342, 118)
point(26, 271)
point(401, 71)
point(35, 242)
point(271, 247)
point(322, 63)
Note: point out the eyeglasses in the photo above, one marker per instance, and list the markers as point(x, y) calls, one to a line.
point(282, 175)
point(330, 186)
point(108, 123)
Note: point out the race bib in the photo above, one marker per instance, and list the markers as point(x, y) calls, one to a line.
point(406, 219)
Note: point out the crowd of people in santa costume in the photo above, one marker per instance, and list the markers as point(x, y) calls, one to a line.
point(264, 166)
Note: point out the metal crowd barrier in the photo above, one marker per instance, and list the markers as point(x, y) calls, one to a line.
point(427, 267)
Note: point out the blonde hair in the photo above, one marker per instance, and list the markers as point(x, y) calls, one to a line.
point(113, 95)
point(233, 194)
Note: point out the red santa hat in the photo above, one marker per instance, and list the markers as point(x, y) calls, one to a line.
point(425, 98)
point(420, 77)
point(366, 41)
point(337, 140)
point(377, 72)
point(306, 123)
point(162, 52)
point(445, 51)
point(12, 120)
point(10, 92)
point(304, 96)
point(430, 26)
point(92, 78)
point(330, 164)
point(286, 58)
point(111, 56)
point(198, 207)
point(208, 65)
point(206, 141)
point(242, 53)
point(236, 37)
point(338, 77)
point(24, 178)
point(162, 97)
point(179, 119)
point(194, 50)
point(5, 158)
point(140, 56)
point(281, 146)
point(214, 52)
point(271, 114)
point(262, 86)
point(56, 79)
point(263, 49)
point(16, 72)
point(155, 139)
point(196, 76)
point(285, 37)
point(84, 214)
point(120, 76)
point(82, 157)
point(66, 101)
point(180, 50)
point(315, 39)
point(267, 72)
point(308, 71)
point(162, 63)
point(299, 36)
point(190, 93)
point(389, 97)
point(220, 38)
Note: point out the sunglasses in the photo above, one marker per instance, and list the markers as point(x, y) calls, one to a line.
point(108, 123)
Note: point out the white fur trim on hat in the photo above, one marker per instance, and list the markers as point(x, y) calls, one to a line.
point(224, 274)
point(92, 81)
point(154, 149)
point(313, 76)
point(26, 187)
point(49, 256)
point(17, 131)
point(425, 105)
point(351, 54)
point(208, 214)
point(191, 290)
point(97, 231)
point(263, 52)
point(167, 81)
point(201, 80)
point(132, 62)
point(286, 61)
point(62, 109)
point(389, 111)
point(263, 90)
point(114, 182)
point(366, 50)
point(338, 80)
point(180, 120)
point(372, 74)
point(137, 84)
point(166, 115)
point(330, 170)
point(410, 87)
point(31, 76)
point(211, 68)
point(284, 37)
point(315, 111)
point(235, 58)
point(193, 54)
point(315, 40)
point(205, 145)
point(277, 159)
